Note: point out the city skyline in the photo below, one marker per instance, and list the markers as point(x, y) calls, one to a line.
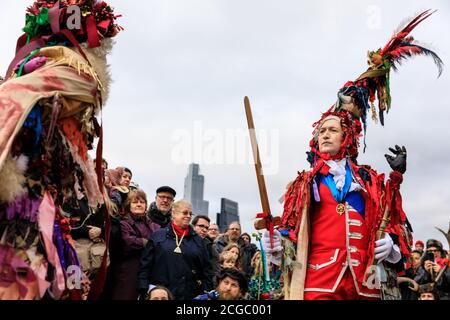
point(229, 212)
point(194, 184)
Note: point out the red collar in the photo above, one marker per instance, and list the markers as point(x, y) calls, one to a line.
point(179, 231)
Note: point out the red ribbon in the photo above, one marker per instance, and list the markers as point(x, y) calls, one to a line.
point(93, 39)
point(269, 224)
point(53, 16)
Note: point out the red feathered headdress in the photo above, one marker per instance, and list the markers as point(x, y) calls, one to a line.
point(355, 98)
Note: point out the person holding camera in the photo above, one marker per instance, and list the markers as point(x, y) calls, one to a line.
point(434, 269)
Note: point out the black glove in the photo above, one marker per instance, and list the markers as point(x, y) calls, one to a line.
point(397, 163)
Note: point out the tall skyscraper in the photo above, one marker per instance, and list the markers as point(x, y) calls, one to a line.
point(229, 212)
point(193, 190)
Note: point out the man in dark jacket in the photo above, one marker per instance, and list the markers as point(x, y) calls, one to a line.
point(201, 226)
point(161, 209)
point(175, 257)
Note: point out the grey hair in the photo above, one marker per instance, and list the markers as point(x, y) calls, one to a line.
point(330, 117)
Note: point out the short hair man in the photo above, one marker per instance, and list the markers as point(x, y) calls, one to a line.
point(232, 234)
point(201, 226)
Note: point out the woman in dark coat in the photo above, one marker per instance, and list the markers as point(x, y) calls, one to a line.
point(136, 227)
point(175, 257)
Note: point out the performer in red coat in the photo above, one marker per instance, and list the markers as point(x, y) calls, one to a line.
point(343, 226)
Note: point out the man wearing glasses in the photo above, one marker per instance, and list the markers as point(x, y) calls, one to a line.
point(213, 231)
point(233, 235)
point(201, 226)
point(160, 210)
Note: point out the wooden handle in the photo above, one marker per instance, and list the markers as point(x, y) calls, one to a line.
point(257, 159)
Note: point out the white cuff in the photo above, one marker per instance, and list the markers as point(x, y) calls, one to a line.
point(395, 255)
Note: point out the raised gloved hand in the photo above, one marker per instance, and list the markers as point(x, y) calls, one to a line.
point(273, 254)
point(385, 249)
point(397, 163)
point(277, 246)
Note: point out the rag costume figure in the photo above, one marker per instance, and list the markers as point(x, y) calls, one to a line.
point(342, 224)
point(53, 89)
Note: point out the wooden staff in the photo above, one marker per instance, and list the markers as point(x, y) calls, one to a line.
point(380, 235)
point(261, 223)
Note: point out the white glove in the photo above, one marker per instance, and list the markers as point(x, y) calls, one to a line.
point(385, 249)
point(273, 255)
point(277, 246)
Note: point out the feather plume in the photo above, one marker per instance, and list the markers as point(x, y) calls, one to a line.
point(409, 49)
point(405, 31)
point(402, 46)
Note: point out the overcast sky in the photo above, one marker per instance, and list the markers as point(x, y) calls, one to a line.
point(182, 68)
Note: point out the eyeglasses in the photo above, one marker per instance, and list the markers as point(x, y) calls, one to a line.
point(202, 226)
point(170, 199)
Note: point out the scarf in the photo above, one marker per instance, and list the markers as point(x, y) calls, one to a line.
point(179, 231)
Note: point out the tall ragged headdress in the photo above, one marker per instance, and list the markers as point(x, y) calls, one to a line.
point(65, 22)
point(87, 20)
point(357, 97)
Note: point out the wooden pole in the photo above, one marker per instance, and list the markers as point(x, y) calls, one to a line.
point(257, 159)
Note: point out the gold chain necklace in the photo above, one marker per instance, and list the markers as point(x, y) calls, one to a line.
point(177, 249)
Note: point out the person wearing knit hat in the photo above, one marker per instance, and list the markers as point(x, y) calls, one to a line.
point(343, 227)
point(419, 246)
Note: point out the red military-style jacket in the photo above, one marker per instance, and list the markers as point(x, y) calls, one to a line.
point(339, 242)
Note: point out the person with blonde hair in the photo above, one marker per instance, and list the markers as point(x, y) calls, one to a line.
point(228, 259)
point(176, 257)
